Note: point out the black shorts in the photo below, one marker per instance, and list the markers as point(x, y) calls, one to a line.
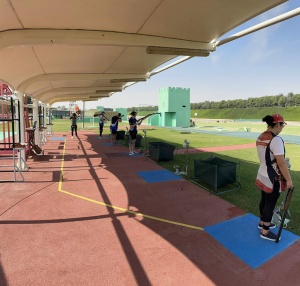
point(132, 134)
point(114, 131)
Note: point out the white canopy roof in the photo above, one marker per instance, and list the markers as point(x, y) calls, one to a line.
point(72, 50)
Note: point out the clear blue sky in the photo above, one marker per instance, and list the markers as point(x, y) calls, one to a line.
point(266, 62)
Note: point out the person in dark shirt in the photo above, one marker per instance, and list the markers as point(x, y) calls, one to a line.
point(74, 124)
point(132, 132)
point(114, 127)
point(102, 119)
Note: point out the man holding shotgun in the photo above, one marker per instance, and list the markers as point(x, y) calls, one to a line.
point(133, 122)
point(114, 127)
point(273, 174)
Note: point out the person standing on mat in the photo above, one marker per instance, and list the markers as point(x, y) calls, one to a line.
point(102, 119)
point(132, 132)
point(273, 174)
point(114, 127)
point(74, 124)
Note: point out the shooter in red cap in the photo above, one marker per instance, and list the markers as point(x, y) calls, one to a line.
point(273, 174)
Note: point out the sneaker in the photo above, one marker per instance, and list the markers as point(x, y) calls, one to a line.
point(131, 153)
point(269, 236)
point(72, 137)
point(272, 225)
point(134, 152)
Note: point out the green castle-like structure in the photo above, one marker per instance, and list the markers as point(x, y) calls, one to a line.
point(174, 106)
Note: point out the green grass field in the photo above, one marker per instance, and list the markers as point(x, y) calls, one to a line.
point(247, 196)
point(288, 113)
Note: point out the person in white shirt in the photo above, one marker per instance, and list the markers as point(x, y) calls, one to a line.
point(273, 174)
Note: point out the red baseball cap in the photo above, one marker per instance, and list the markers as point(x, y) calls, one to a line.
point(278, 118)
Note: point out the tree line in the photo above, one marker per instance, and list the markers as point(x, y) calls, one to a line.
point(279, 100)
point(143, 108)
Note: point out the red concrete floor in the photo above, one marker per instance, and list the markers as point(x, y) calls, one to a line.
point(83, 216)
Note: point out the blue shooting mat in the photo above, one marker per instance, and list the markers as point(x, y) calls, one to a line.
point(123, 154)
point(58, 138)
point(134, 155)
point(107, 144)
point(241, 236)
point(158, 176)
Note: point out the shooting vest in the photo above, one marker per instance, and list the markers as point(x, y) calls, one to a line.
point(268, 171)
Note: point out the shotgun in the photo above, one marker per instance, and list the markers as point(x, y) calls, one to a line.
point(148, 115)
point(286, 205)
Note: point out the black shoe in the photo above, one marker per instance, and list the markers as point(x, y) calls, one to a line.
point(272, 225)
point(269, 236)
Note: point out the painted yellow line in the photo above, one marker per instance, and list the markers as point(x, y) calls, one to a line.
point(115, 207)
